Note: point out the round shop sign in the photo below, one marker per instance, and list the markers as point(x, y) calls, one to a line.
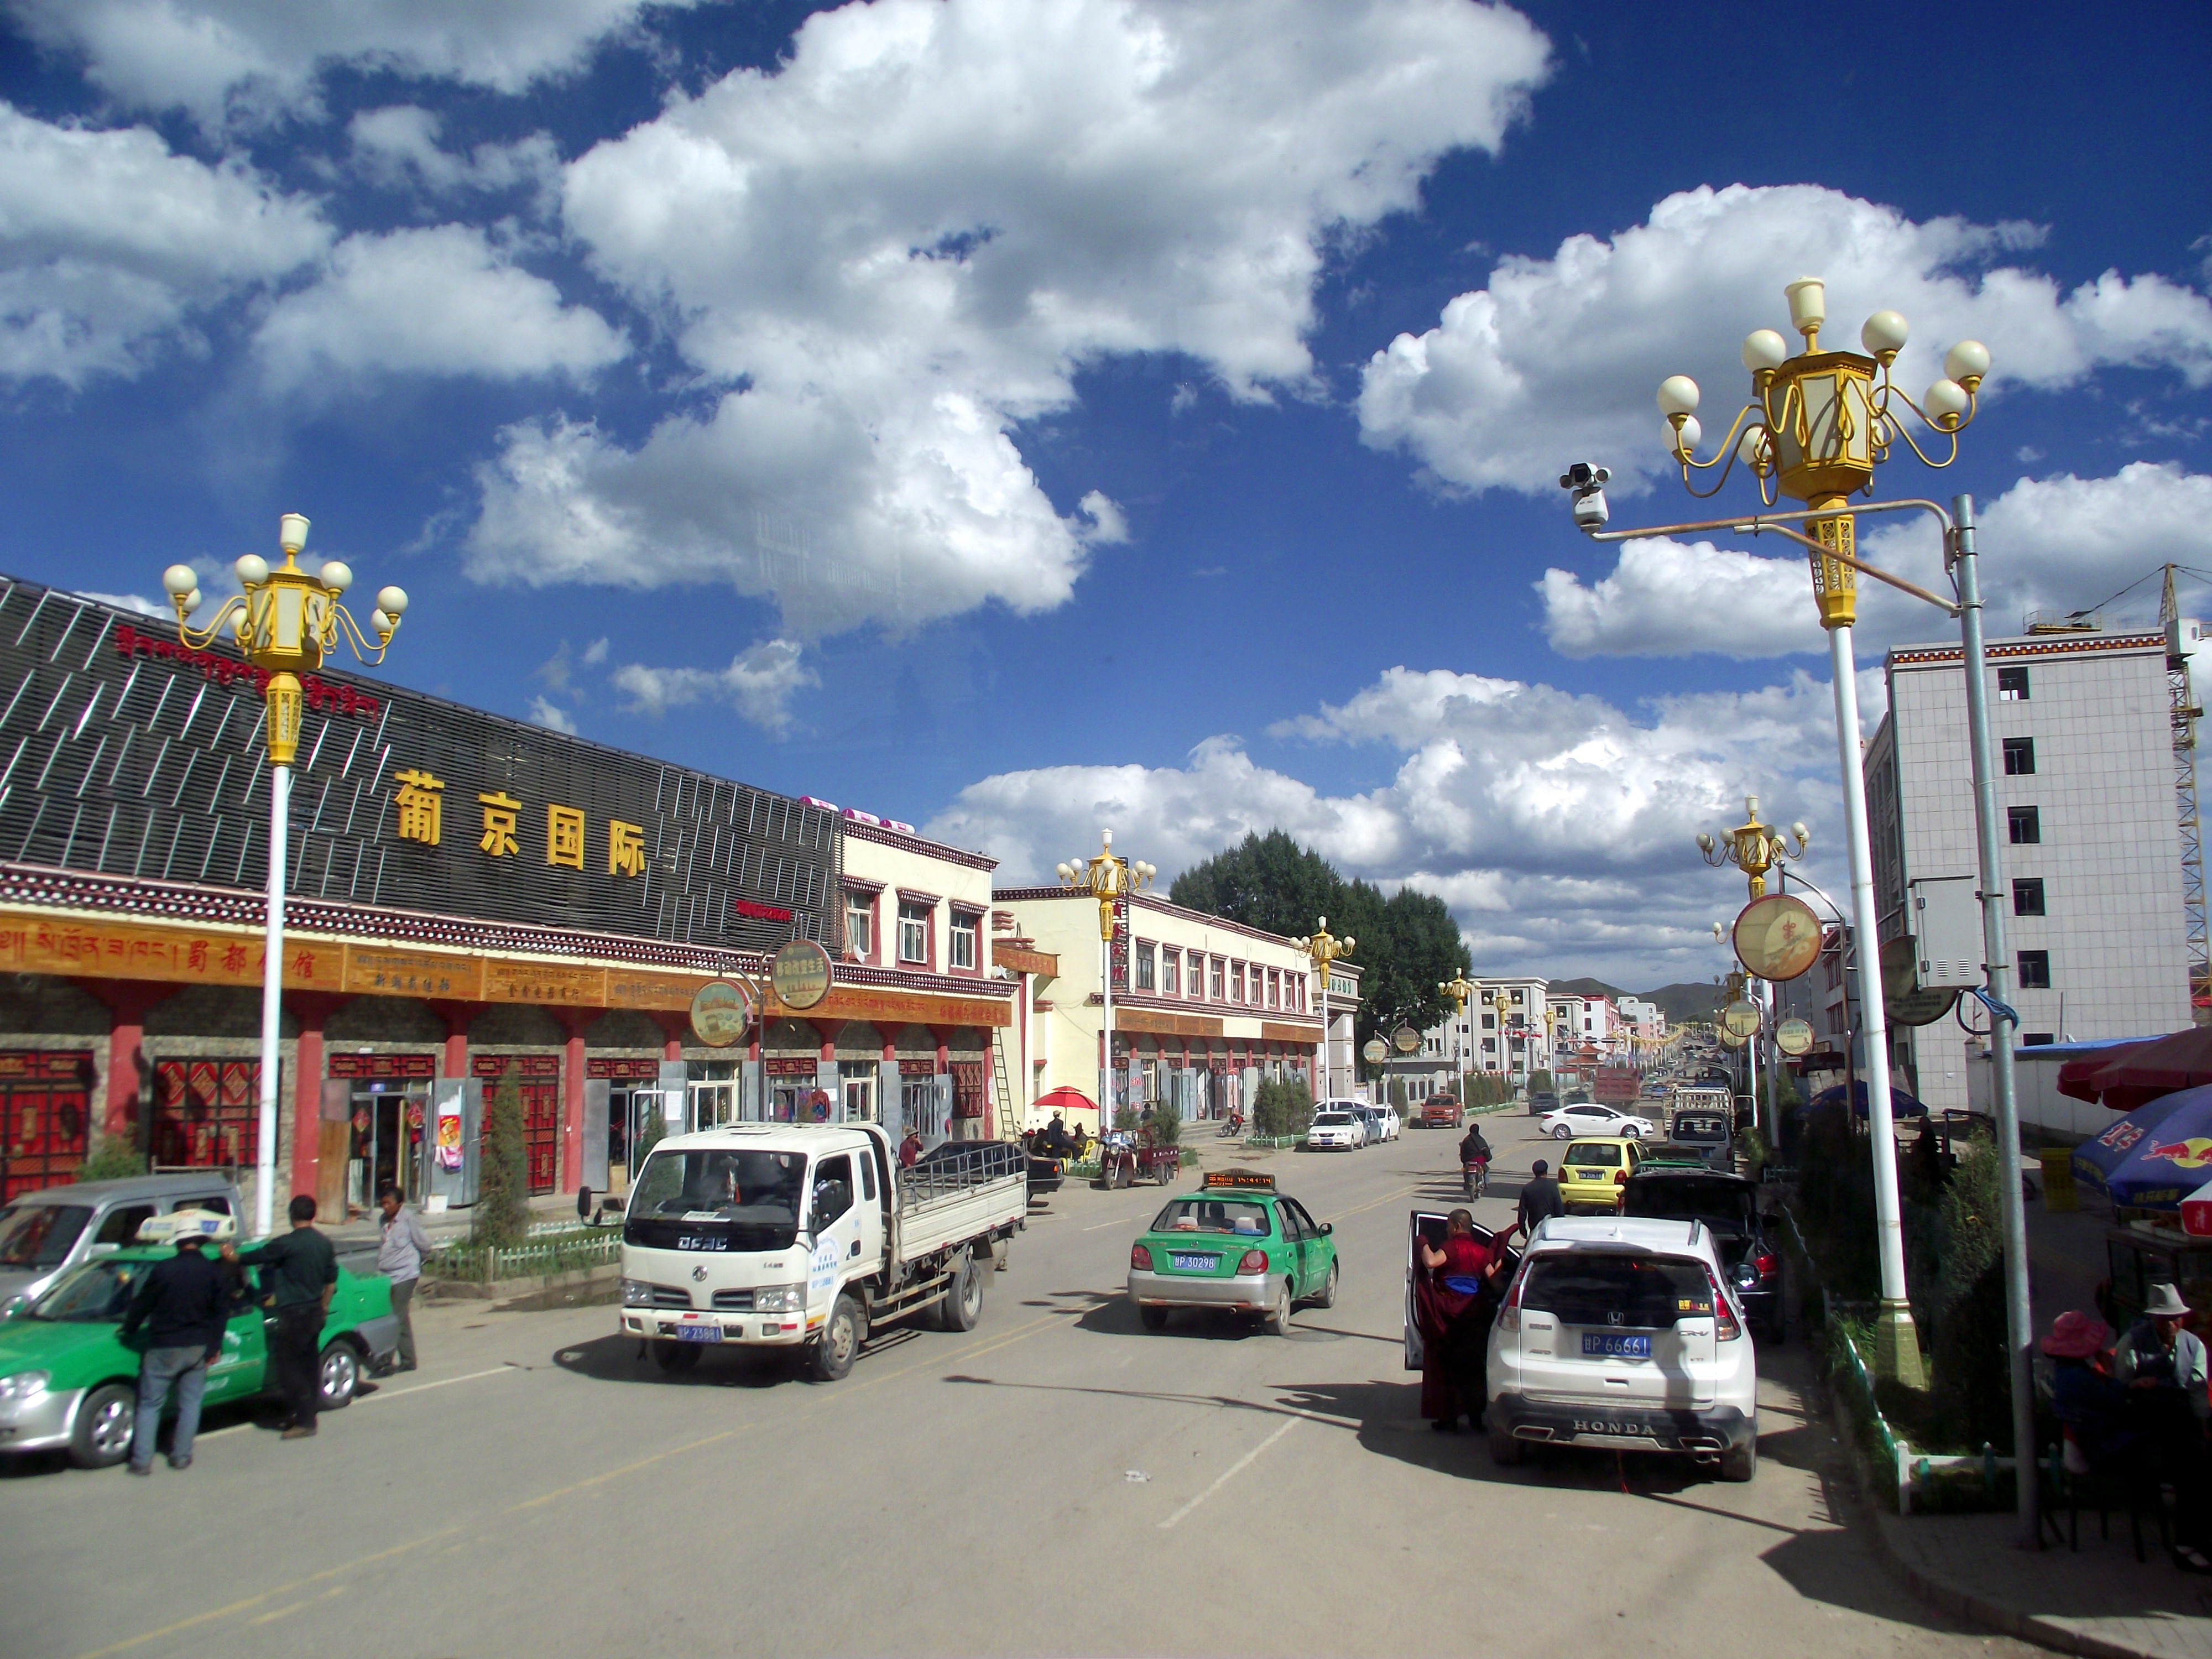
point(1740, 1019)
point(1406, 1039)
point(1731, 1040)
point(1794, 1037)
point(1375, 1051)
point(720, 1012)
point(800, 973)
point(1777, 937)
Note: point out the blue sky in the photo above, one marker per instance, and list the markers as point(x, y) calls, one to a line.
point(988, 414)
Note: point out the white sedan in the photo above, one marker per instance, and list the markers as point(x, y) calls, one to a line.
point(1587, 1119)
point(1337, 1132)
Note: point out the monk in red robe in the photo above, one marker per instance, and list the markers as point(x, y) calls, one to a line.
point(1455, 1299)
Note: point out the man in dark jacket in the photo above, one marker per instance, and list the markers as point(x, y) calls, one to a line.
point(1539, 1199)
point(302, 1271)
point(184, 1304)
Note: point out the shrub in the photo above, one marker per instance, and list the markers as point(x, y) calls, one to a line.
point(1281, 1108)
point(1165, 1123)
point(1127, 1118)
point(1836, 1202)
point(1971, 1386)
point(502, 1208)
point(1539, 1082)
point(113, 1157)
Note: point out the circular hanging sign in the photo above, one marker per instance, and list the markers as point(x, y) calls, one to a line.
point(720, 1012)
point(1794, 1037)
point(1375, 1051)
point(1919, 1007)
point(800, 973)
point(1739, 1020)
point(1731, 1040)
point(1777, 937)
point(1406, 1039)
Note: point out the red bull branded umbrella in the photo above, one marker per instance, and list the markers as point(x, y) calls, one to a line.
point(2154, 1157)
point(2196, 1213)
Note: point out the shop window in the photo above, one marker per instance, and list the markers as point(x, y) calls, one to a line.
point(207, 1113)
point(2020, 757)
point(2027, 895)
point(859, 1078)
point(2024, 824)
point(913, 933)
point(967, 936)
point(1147, 979)
point(1170, 981)
point(860, 926)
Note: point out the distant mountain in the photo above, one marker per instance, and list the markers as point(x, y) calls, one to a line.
point(1678, 1002)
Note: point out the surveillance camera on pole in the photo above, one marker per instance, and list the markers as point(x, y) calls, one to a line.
point(1587, 484)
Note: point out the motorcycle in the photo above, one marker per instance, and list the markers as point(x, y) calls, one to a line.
point(1232, 1126)
point(1474, 1177)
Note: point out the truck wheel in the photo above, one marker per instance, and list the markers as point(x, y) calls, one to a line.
point(1279, 1316)
point(1741, 1465)
point(963, 1299)
point(1505, 1450)
point(1155, 1319)
point(839, 1343)
point(101, 1438)
point(673, 1356)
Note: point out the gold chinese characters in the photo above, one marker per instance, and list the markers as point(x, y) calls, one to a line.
point(420, 804)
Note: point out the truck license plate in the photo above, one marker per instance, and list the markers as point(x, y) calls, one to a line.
point(698, 1333)
point(1626, 1347)
point(1193, 1264)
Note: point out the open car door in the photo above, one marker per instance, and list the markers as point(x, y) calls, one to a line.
point(1427, 1224)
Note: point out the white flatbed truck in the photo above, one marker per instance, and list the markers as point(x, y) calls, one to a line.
point(774, 1234)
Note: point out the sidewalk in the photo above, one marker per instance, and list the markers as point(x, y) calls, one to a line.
point(2098, 1602)
point(362, 1232)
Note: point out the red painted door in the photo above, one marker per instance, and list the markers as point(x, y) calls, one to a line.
point(207, 1112)
point(540, 1081)
point(45, 1106)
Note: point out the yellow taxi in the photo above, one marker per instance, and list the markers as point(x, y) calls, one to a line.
point(1594, 1172)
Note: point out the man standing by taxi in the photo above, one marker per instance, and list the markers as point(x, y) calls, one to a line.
point(300, 1272)
point(399, 1252)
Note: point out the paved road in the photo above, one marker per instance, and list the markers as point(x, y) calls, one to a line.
point(536, 1490)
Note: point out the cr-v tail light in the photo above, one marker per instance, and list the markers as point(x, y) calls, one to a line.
point(1509, 1316)
point(1140, 1257)
point(1725, 1329)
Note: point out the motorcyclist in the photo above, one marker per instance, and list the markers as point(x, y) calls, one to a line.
point(1473, 1157)
point(1055, 1137)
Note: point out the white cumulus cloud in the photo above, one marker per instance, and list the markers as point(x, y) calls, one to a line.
point(398, 147)
point(759, 684)
point(438, 300)
point(111, 244)
point(901, 243)
point(544, 712)
point(221, 59)
point(1557, 359)
point(1558, 827)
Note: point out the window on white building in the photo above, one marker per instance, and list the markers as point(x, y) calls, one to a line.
point(1171, 980)
point(1147, 979)
point(967, 935)
point(914, 933)
point(860, 926)
point(1214, 985)
point(1198, 976)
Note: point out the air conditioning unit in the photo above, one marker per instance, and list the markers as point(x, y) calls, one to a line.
point(1946, 931)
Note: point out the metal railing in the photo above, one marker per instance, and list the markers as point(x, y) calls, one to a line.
point(538, 1258)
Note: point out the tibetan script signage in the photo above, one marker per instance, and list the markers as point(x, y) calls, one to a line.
point(374, 970)
point(34, 944)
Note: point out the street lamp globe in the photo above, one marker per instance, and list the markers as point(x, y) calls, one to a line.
point(338, 575)
point(179, 580)
point(292, 534)
point(1884, 335)
point(251, 570)
point(1967, 362)
point(1764, 348)
point(1678, 395)
point(392, 601)
point(1946, 402)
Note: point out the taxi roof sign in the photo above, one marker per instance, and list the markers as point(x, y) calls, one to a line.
point(1241, 1180)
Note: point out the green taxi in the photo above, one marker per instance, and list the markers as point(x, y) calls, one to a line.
point(68, 1379)
point(1235, 1242)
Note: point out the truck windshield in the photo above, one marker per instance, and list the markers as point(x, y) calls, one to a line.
point(39, 1234)
point(719, 1200)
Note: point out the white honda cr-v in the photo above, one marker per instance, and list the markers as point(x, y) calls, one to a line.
point(1621, 1333)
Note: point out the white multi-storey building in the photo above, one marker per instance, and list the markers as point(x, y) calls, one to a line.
point(1644, 1018)
point(1508, 1036)
point(2093, 744)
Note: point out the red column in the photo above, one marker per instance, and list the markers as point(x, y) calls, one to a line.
point(457, 1016)
point(570, 1174)
point(126, 1001)
point(673, 1028)
point(311, 1009)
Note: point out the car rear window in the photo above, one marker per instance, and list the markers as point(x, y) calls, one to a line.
point(1700, 1128)
point(1333, 1120)
point(1720, 1204)
point(1213, 1215)
point(1587, 1288)
point(1595, 1152)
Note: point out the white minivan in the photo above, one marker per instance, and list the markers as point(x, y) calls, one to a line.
point(1620, 1332)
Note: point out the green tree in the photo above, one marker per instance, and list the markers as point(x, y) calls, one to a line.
point(1268, 882)
point(113, 1157)
point(1970, 1365)
point(1408, 945)
point(502, 1208)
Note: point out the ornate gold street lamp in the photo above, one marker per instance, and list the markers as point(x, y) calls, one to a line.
point(1817, 426)
point(1459, 987)
point(284, 621)
point(1754, 848)
point(1111, 880)
point(1324, 948)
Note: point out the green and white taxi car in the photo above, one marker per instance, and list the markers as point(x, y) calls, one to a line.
point(1237, 1243)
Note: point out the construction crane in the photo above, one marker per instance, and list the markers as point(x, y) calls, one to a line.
point(2183, 715)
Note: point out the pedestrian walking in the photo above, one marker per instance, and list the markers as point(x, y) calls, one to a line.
point(299, 1270)
point(400, 1253)
point(184, 1304)
point(1540, 1201)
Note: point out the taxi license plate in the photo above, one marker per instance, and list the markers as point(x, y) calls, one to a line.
point(703, 1334)
point(1626, 1347)
point(1193, 1264)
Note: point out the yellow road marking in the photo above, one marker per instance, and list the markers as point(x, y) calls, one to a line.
point(269, 1595)
point(626, 1468)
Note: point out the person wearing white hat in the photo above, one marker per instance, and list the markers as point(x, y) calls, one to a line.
point(2161, 1362)
point(2161, 1353)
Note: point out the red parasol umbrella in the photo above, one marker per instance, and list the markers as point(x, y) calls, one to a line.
point(2126, 1078)
point(1066, 1099)
point(2074, 1076)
